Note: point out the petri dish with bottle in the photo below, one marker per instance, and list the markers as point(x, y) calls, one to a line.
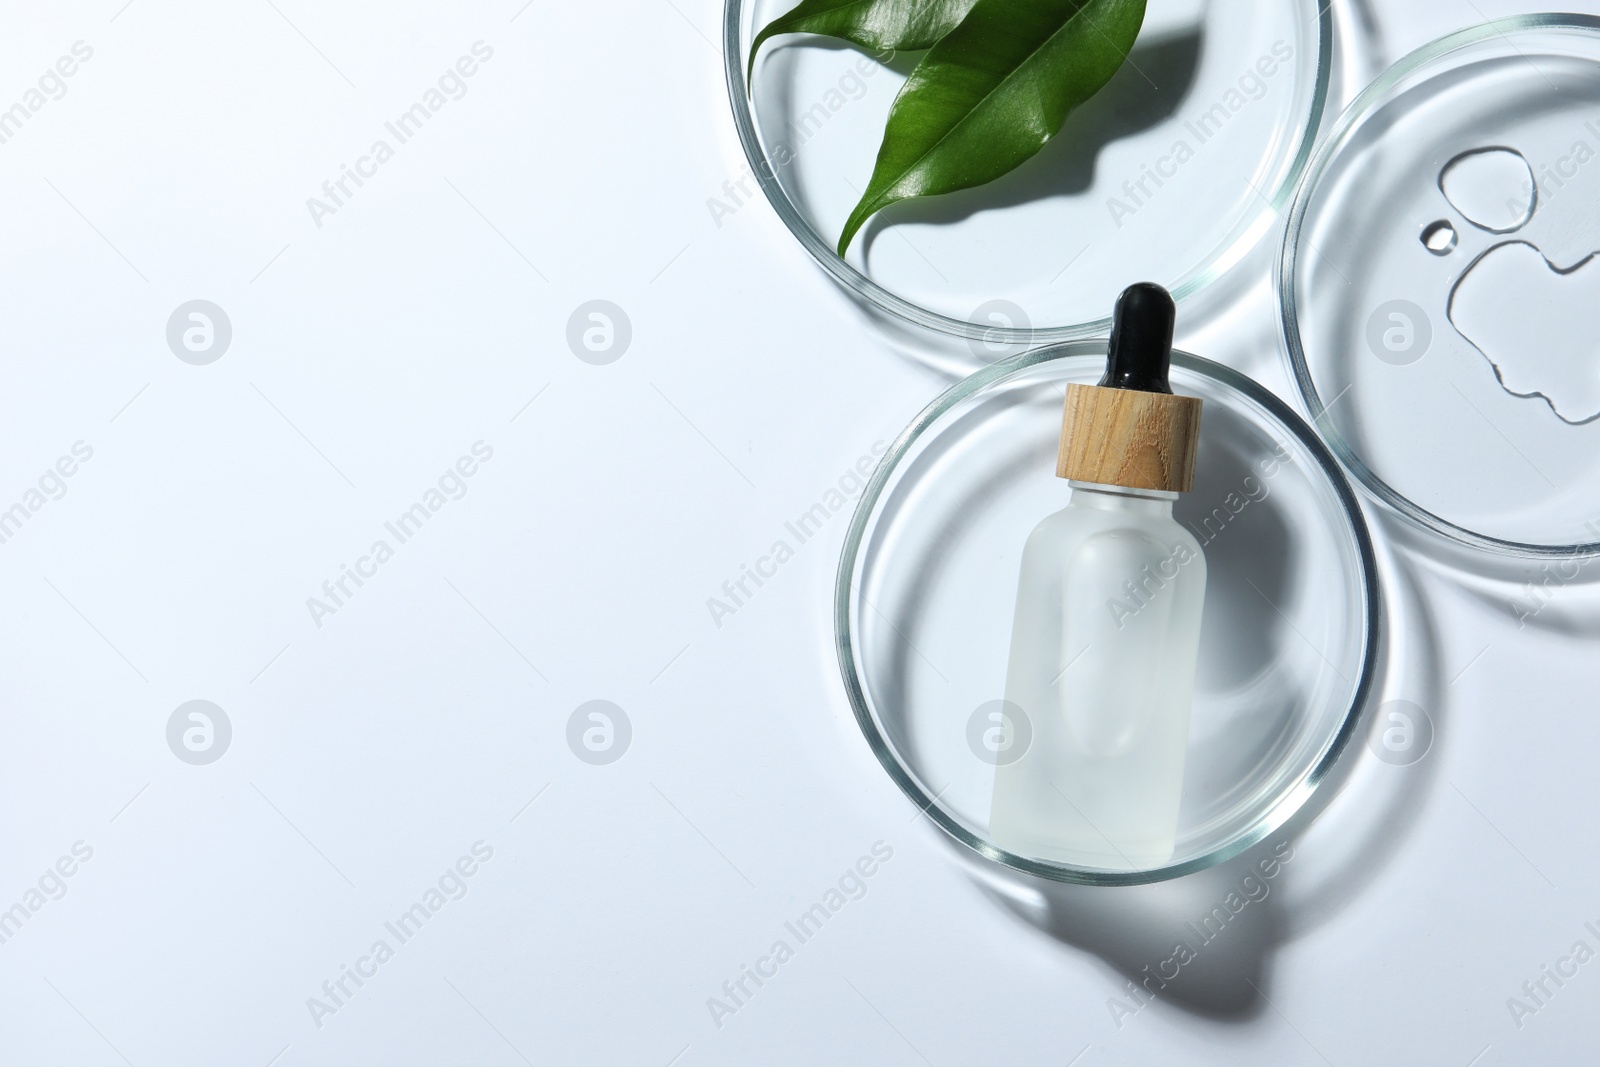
point(928, 581)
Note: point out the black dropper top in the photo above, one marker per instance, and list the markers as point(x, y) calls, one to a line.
point(1141, 340)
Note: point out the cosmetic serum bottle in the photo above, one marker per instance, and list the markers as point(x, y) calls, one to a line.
point(1107, 627)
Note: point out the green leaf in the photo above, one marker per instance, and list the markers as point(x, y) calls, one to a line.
point(991, 92)
point(880, 25)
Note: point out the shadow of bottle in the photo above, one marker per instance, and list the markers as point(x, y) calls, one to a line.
point(1204, 944)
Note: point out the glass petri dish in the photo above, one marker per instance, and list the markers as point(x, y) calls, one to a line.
point(1170, 174)
point(1438, 291)
point(927, 584)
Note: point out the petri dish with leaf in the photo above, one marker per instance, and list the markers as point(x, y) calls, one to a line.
point(1171, 172)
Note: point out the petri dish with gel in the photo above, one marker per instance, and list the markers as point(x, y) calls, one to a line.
point(1440, 288)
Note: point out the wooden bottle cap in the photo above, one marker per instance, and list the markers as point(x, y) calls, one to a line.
point(1129, 437)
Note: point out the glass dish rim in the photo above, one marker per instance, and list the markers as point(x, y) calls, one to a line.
point(1271, 819)
point(852, 279)
point(1287, 275)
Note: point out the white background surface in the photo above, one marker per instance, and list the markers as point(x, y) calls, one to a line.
point(371, 752)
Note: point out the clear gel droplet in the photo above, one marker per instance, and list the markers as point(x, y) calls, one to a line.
point(1491, 187)
point(1439, 238)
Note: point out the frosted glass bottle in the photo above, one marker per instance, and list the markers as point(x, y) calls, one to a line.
point(1103, 657)
point(1106, 634)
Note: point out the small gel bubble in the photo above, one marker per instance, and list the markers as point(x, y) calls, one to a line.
point(1439, 238)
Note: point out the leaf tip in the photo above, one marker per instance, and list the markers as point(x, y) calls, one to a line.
point(864, 210)
point(771, 30)
point(850, 228)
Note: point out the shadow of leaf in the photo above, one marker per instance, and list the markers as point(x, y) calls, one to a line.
point(1147, 91)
